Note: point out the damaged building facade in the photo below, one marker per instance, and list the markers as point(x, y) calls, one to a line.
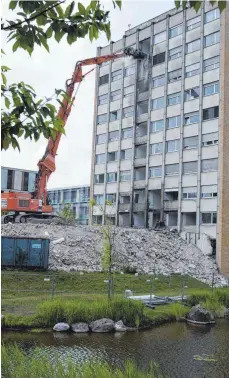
point(77, 197)
point(161, 133)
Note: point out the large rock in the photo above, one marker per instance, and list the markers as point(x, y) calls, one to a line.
point(120, 326)
point(80, 327)
point(102, 325)
point(200, 314)
point(61, 327)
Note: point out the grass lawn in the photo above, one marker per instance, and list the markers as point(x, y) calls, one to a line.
point(22, 292)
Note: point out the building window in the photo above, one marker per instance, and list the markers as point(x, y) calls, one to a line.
point(127, 133)
point(99, 179)
point(128, 112)
point(173, 145)
point(142, 107)
point(26, 181)
point(174, 99)
point(112, 177)
point(171, 169)
point(192, 70)
point(103, 99)
point(113, 156)
point(116, 75)
point(173, 122)
point(100, 158)
point(208, 218)
point(10, 179)
point(210, 113)
point(99, 199)
point(208, 194)
point(176, 30)
point(128, 91)
point(208, 165)
point(189, 193)
point(175, 53)
point(191, 142)
point(191, 94)
point(190, 167)
point(174, 75)
point(116, 95)
point(193, 23)
point(211, 63)
point(158, 81)
point(103, 79)
point(211, 88)
point(211, 39)
point(212, 15)
point(126, 154)
point(158, 103)
point(159, 58)
point(113, 135)
point(125, 175)
point(100, 139)
point(191, 118)
point(129, 70)
point(156, 148)
point(114, 115)
point(111, 198)
point(160, 37)
point(155, 172)
point(157, 125)
point(102, 118)
point(193, 46)
point(209, 139)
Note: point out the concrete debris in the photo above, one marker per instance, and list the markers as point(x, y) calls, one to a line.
point(140, 250)
point(57, 241)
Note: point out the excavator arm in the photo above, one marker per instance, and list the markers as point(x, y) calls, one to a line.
point(47, 163)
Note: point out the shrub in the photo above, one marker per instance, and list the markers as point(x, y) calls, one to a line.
point(220, 296)
point(129, 269)
point(51, 312)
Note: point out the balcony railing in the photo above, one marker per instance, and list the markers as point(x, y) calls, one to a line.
point(139, 184)
point(139, 162)
point(124, 207)
point(139, 206)
point(141, 139)
point(171, 205)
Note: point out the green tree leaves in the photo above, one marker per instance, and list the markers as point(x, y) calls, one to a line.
point(196, 4)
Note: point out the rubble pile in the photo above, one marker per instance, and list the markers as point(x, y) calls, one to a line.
point(79, 249)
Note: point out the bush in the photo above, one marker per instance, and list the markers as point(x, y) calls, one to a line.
point(218, 296)
point(129, 270)
point(16, 364)
point(52, 312)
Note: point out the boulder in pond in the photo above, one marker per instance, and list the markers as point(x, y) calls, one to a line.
point(102, 325)
point(80, 327)
point(120, 326)
point(61, 327)
point(200, 314)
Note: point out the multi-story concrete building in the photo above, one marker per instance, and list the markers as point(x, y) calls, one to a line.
point(77, 196)
point(20, 180)
point(161, 129)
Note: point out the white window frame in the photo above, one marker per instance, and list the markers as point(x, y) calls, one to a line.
point(177, 75)
point(215, 64)
point(179, 29)
point(116, 156)
point(101, 122)
point(118, 94)
point(101, 101)
point(156, 148)
point(116, 75)
point(177, 125)
point(188, 92)
point(126, 174)
point(189, 115)
point(102, 156)
point(154, 123)
point(126, 158)
point(151, 169)
point(113, 138)
point(214, 12)
point(154, 81)
point(215, 86)
point(112, 173)
point(194, 71)
point(216, 38)
point(191, 146)
point(172, 173)
point(177, 54)
point(191, 44)
point(206, 195)
point(98, 136)
point(174, 96)
point(176, 145)
point(212, 214)
point(156, 101)
point(125, 130)
point(193, 23)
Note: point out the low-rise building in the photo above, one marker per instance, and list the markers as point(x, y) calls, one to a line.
point(20, 180)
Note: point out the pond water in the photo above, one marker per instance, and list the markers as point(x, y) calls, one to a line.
point(182, 351)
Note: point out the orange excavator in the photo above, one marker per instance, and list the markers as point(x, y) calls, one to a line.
point(21, 206)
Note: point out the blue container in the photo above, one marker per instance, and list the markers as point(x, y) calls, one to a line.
point(25, 252)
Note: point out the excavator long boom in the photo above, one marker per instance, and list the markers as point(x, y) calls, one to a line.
point(47, 163)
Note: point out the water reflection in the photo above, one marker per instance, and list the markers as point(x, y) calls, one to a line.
point(172, 346)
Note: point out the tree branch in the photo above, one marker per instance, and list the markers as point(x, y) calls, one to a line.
point(16, 25)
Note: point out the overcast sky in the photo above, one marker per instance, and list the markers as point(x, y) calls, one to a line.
point(47, 71)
